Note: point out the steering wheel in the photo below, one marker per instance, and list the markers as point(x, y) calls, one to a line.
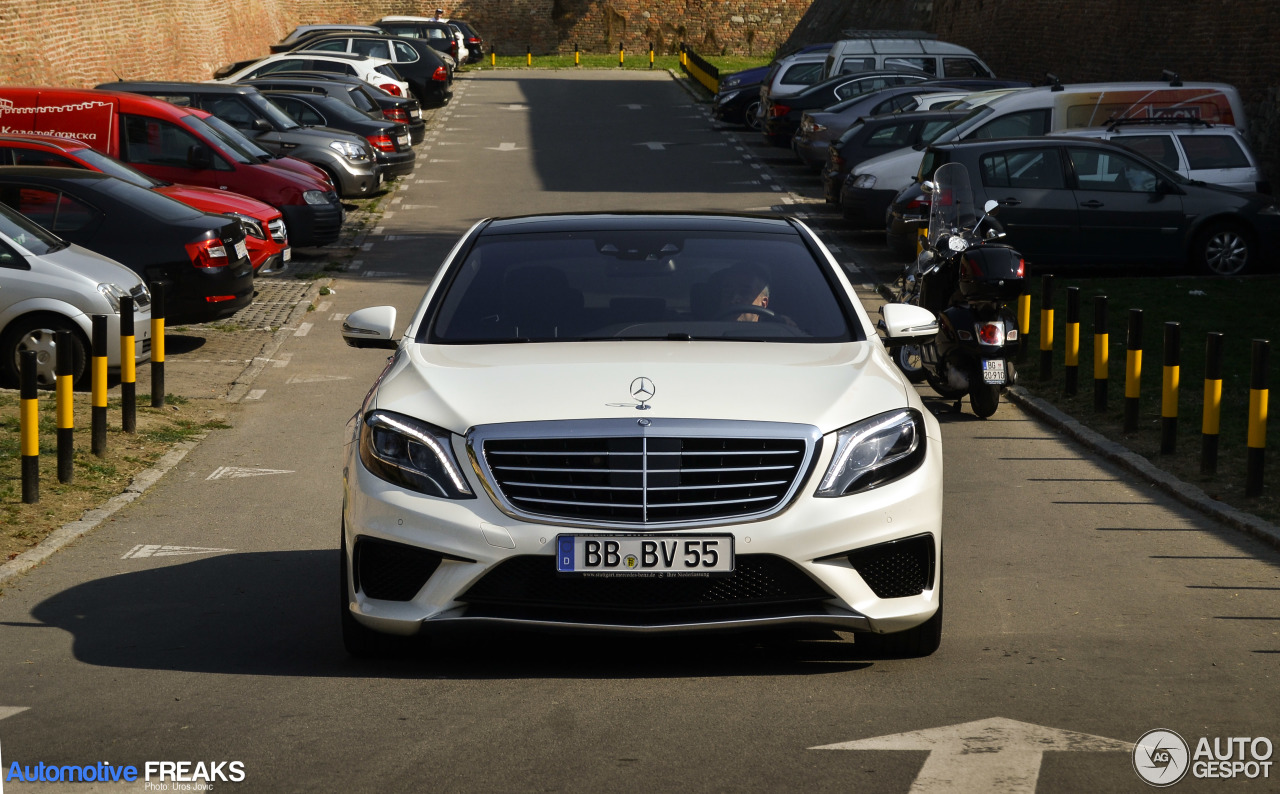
point(735, 311)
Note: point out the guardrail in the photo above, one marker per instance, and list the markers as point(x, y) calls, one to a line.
point(699, 69)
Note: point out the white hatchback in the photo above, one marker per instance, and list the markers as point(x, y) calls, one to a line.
point(378, 72)
point(642, 423)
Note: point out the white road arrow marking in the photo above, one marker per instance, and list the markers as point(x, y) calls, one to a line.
point(235, 473)
point(317, 378)
point(143, 550)
point(512, 107)
point(655, 146)
point(992, 755)
point(9, 711)
point(504, 147)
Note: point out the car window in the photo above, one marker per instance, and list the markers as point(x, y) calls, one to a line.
point(337, 45)
point(52, 209)
point(893, 136)
point(387, 70)
point(404, 53)
point(962, 67)
point(31, 236)
point(37, 157)
point(1156, 147)
point(109, 165)
point(1213, 151)
point(372, 47)
point(898, 104)
point(278, 67)
point(1023, 168)
point(929, 65)
point(637, 284)
point(148, 141)
point(11, 259)
point(231, 109)
point(407, 31)
point(362, 100)
point(933, 129)
point(801, 74)
point(1015, 125)
point(1101, 170)
point(298, 110)
point(853, 65)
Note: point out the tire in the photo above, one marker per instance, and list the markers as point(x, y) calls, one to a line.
point(914, 643)
point(985, 399)
point(940, 386)
point(908, 360)
point(359, 640)
point(1223, 249)
point(751, 117)
point(38, 332)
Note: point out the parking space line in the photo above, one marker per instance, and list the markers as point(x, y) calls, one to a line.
point(303, 329)
point(254, 394)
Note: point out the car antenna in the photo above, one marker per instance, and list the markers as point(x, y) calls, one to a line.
point(1172, 77)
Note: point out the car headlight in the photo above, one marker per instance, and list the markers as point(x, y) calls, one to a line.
point(314, 197)
point(252, 226)
point(411, 454)
point(875, 451)
point(730, 95)
point(349, 150)
point(865, 181)
point(113, 293)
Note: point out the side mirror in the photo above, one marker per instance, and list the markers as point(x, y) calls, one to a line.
point(904, 324)
point(261, 125)
point(371, 327)
point(199, 157)
point(926, 187)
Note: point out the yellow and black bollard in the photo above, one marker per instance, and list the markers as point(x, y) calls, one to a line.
point(493, 59)
point(577, 55)
point(651, 55)
point(128, 372)
point(157, 345)
point(1072, 333)
point(1046, 327)
point(29, 427)
point(528, 55)
point(1257, 418)
point(1211, 424)
point(98, 401)
point(1169, 394)
point(622, 55)
point(1132, 370)
point(1101, 353)
point(65, 406)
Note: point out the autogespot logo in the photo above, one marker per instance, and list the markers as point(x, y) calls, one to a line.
point(1160, 757)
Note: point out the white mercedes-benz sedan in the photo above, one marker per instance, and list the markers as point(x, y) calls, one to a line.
point(642, 423)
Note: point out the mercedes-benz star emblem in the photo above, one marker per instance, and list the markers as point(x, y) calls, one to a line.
point(642, 389)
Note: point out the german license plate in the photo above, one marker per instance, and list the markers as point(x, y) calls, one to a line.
point(640, 555)
point(415, 114)
point(993, 371)
point(403, 140)
point(286, 254)
point(241, 250)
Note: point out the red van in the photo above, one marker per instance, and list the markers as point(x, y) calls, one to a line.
point(265, 232)
point(174, 144)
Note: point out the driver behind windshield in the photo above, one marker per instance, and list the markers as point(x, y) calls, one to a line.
point(741, 286)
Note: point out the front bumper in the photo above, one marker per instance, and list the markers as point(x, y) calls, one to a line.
point(395, 164)
point(468, 539)
point(313, 224)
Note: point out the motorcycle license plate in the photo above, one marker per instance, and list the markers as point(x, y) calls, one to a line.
point(993, 371)
point(641, 555)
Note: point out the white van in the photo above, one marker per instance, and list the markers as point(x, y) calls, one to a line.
point(938, 58)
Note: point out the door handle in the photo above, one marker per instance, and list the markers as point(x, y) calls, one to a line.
point(1092, 204)
point(1011, 202)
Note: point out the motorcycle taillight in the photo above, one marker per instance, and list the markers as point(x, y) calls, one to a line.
point(974, 268)
point(990, 333)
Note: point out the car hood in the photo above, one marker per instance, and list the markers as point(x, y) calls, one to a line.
point(893, 171)
point(218, 202)
point(462, 386)
point(77, 264)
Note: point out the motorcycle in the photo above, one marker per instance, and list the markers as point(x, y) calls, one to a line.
point(968, 280)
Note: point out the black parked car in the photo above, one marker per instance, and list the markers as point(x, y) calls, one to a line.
point(877, 135)
point(355, 92)
point(1078, 201)
point(390, 141)
point(200, 258)
point(782, 116)
point(438, 34)
point(421, 66)
point(346, 158)
point(475, 42)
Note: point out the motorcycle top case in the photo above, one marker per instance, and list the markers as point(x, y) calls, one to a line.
point(991, 272)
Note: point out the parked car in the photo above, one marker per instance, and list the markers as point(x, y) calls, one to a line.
point(1199, 150)
point(182, 145)
point(291, 41)
point(874, 135)
point(471, 38)
point(265, 233)
point(736, 389)
point(347, 159)
point(355, 92)
point(429, 78)
point(438, 34)
point(200, 258)
point(938, 58)
point(49, 285)
point(389, 141)
point(782, 116)
point(1082, 201)
point(378, 72)
point(737, 99)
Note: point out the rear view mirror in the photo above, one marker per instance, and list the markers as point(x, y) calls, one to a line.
point(371, 327)
point(261, 125)
point(199, 157)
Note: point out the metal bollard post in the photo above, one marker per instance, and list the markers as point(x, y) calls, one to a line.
point(65, 406)
point(1101, 353)
point(98, 423)
point(157, 345)
point(493, 59)
point(577, 61)
point(1046, 327)
point(1024, 321)
point(1169, 395)
point(1072, 360)
point(128, 372)
point(621, 54)
point(1132, 371)
point(1211, 424)
point(651, 55)
point(1257, 418)
point(29, 427)
point(528, 54)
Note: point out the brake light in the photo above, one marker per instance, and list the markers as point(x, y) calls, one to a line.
point(781, 110)
point(396, 115)
point(1022, 267)
point(917, 204)
point(219, 298)
point(473, 40)
point(207, 253)
point(382, 143)
point(440, 74)
point(391, 88)
point(991, 333)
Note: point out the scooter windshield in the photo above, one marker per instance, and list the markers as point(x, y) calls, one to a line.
point(951, 203)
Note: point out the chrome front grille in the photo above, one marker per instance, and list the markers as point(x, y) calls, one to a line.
point(277, 230)
point(612, 472)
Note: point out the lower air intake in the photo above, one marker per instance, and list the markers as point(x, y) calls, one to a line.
point(898, 568)
point(391, 571)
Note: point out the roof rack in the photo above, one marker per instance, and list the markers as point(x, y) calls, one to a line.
point(887, 34)
point(1112, 123)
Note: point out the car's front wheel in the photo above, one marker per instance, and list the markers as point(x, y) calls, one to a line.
point(38, 333)
point(751, 116)
point(1223, 249)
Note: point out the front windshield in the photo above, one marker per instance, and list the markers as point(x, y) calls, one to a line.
point(651, 284)
point(112, 166)
point(962, 125)
point(27, 233)
point(237, 145)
